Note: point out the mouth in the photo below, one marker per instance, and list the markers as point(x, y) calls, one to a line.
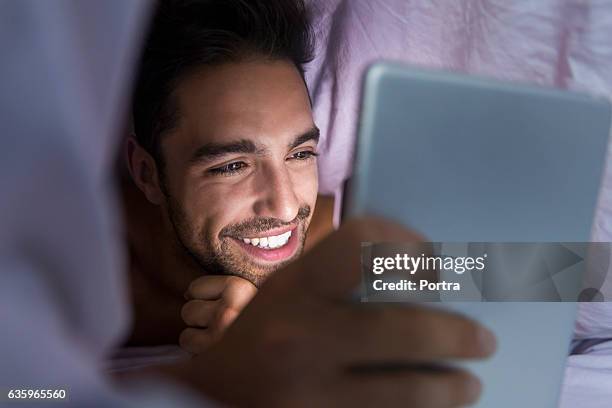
point(272, 246)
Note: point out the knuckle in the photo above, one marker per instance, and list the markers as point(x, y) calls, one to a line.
point(225, 317)
point(240, 286)
point(188, 311)
point(233, 280)
point(233, 300)
point(198, 312)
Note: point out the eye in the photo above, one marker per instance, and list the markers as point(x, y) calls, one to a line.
point(229, 169)
point(304, 155)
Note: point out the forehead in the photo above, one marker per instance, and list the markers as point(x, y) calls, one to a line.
point(263, 100)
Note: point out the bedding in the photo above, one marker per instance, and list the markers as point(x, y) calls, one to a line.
point(559, 43)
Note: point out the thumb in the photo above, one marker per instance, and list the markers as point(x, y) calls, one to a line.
point(332, 269)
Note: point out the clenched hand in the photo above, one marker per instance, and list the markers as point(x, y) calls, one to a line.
point(213, 304)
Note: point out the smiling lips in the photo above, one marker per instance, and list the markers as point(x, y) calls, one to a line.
point(271, 248)
point(269, 242)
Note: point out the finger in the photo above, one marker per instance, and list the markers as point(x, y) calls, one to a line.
point(195, 341)
point(405, 333)
point(223, 319)
point(449, 388)
point(207, 287)
point(199, 312)
point(238, 293)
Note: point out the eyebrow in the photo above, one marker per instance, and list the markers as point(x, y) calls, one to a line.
point(211, 151)
point(311, 134)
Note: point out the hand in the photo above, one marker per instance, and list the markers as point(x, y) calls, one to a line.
point(300, 341)
point(213, 304)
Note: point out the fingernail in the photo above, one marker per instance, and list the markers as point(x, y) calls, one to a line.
point(487, 340)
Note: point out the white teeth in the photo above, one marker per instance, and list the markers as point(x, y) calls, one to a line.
point(271, 242)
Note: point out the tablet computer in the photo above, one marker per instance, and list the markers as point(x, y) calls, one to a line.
point(465, 159)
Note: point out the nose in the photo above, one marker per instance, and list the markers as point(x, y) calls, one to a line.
point(276, 196)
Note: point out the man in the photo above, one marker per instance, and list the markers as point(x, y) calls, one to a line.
point(225, 147)
point(62, 296)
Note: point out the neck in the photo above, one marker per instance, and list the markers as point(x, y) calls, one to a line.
point(159, 273)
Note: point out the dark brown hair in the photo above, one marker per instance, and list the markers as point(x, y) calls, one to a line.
point(186, 34)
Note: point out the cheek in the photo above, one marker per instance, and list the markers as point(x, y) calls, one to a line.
point(306, 185)
point(212, 206)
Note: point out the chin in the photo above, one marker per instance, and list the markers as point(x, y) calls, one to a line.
point(257, 264)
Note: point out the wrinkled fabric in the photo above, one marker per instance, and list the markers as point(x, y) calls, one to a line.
point(558, 43)
point(588, 379)
point(63, 74)
point(65, 68)
point(549, 42)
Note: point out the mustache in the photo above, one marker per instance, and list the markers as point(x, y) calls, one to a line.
point(261, 224)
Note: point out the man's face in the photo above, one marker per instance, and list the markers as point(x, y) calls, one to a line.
point(240, 173)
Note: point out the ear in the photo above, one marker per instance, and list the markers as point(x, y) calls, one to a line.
point(144, 171)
